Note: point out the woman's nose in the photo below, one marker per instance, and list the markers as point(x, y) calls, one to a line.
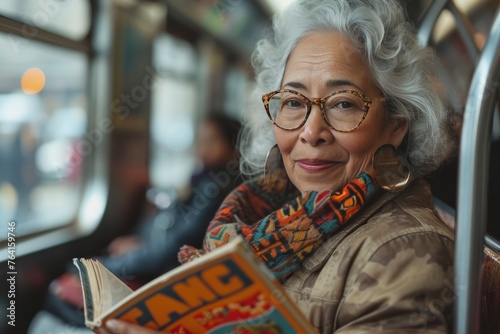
point(316, 131)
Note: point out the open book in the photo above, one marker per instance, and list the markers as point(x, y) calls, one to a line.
point(225, 291)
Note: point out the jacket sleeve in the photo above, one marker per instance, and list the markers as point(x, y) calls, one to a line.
point(404, 286)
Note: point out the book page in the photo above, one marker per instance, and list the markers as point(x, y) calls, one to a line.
point(101, 289)
point(86, 290)
point(112, 289)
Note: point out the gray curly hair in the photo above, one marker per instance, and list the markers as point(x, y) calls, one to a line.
point(403, 69)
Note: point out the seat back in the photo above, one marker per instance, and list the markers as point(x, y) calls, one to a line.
point(490, 285)
point(490, 301)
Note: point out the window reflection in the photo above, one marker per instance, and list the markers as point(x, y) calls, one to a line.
point(43, 117)
point(69, 18)
point(174, 106)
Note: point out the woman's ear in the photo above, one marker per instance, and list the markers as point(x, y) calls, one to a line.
point(398, 131)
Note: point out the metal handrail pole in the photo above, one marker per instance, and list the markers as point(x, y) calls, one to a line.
point(492, 243)
point(472, 180)
point(429, 21)
point(464, 26)
point(466, 30)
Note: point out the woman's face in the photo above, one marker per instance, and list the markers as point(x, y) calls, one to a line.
point(315, 156)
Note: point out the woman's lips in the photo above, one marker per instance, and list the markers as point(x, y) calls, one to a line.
point(313, 165)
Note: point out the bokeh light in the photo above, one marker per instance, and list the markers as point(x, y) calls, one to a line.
point(33, 80)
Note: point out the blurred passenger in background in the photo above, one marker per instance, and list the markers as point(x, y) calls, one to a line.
point(153, 249)
point(18, 174)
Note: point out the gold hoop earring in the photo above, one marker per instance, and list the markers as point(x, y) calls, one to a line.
point(392, 170)
point(273, 164)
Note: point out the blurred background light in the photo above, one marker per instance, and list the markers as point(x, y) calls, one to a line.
point(33, 80)
point(278, 5)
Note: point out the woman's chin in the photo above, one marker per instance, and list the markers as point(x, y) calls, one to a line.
point(318, 186)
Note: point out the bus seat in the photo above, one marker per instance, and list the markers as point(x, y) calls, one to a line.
point(490, 304)
point(490, 290)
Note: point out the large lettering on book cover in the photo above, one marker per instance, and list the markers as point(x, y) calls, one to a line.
point(225, 297)
point(172, 302)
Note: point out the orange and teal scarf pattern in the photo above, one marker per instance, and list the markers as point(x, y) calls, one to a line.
point(280, 225)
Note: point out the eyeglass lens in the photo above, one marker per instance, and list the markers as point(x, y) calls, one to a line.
point(343, 111)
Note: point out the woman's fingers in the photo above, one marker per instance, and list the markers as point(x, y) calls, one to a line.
point(103, 330)
point(120, 327)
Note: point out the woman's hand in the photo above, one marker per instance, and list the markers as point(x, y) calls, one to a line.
point(121, 327)
point(68, 288)
point(124, 244)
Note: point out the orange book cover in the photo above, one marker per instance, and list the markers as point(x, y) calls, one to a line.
point(225, 291)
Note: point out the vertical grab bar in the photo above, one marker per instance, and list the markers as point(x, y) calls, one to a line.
point(472, 178)
point(429, 20)
point(464, 26)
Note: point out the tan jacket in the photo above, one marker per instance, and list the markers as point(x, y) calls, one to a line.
point(389, 271)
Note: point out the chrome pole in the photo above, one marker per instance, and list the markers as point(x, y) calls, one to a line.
point(473, 185)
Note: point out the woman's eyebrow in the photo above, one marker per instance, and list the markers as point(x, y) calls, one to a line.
point(336, 83)
point(295, 84)
point(329, 83)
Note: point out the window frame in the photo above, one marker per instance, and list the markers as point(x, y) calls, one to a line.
point(94, 189)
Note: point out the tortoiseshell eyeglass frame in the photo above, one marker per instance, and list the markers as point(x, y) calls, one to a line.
point(321, 102)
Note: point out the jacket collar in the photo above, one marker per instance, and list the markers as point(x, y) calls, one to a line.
point(323, 253)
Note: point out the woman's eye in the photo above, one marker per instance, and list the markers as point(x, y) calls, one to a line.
point(344, 105)
point(340, 105)
point(293, 104)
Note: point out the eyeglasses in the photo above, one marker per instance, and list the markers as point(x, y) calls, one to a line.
point(343, 110)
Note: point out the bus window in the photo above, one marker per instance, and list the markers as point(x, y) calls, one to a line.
point(69, 18)
point(237, 90)
point(175, 101)
point(43, 117)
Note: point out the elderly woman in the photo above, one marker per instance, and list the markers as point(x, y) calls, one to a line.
point(342, 215)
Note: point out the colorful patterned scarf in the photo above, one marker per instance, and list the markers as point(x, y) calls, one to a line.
point(281, 226)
